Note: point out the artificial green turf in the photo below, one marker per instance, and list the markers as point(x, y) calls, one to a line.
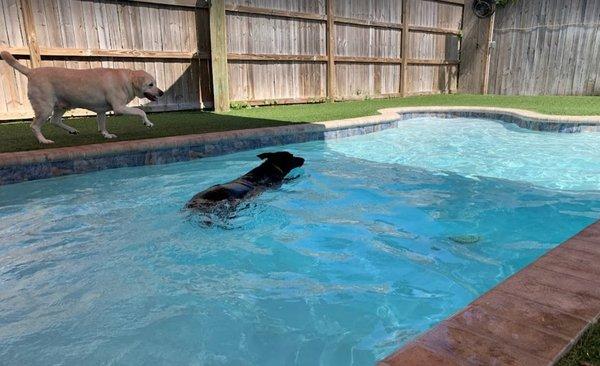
point(559, 105)
point(18, 137)
point(586, 351)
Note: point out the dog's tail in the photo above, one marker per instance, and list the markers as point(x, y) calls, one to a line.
point(6, 56)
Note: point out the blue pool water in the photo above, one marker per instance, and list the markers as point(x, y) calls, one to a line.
point(340, 266)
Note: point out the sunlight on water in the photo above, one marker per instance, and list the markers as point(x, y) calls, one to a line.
point(338, 267)
point(485, 148)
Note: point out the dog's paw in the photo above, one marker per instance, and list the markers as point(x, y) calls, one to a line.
point(148, 124)
point(109, 135)
point(74, 132)
point(46, 141)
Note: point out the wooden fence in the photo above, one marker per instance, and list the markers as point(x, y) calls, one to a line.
point(546, 47)
point(245, 51)
point(341, 49)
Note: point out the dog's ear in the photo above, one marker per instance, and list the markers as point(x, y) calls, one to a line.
point(137, 80)
point(264, 156)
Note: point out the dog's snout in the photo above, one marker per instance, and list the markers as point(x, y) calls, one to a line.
point(160, 93)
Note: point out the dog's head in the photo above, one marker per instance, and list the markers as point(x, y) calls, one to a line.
point(283, 160)
point(144, 85)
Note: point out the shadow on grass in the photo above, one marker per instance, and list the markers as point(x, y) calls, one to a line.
point(18, 136)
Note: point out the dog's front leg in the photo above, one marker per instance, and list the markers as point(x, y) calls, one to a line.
point(134, 112)
point(57, 121)
point(101, 118)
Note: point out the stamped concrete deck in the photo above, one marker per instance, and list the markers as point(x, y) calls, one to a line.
point(532, 318)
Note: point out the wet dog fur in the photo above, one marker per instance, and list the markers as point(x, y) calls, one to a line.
point(270, 174)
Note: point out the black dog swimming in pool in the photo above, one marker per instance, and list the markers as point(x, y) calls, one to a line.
point(269, 174)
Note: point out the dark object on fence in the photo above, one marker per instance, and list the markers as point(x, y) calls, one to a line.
point(484, 8)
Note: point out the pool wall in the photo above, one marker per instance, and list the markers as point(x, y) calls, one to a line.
point(47, 163)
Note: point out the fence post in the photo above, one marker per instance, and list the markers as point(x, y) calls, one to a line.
point(218, 55)
point(330, 33)
point(404, 50)
point(34, 48)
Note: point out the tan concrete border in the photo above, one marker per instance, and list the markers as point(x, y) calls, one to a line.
point(522, 113)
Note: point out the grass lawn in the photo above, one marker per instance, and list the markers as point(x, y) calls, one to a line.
point(18, 137)
point(575, 106)
point(586, 351)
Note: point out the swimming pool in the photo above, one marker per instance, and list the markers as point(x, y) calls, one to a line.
point(340, 266)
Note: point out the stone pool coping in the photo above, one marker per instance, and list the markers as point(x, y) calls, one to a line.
point(22, 166)
point(532, 318)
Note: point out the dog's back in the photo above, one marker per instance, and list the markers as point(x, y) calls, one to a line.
point(234, 190)
point(87, 88)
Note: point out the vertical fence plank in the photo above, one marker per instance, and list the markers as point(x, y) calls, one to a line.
point(34, 48)
point(330, 34)
point(218, 48)
point(474, 51)
point(404, 48)
point(487, 56)
point(200, 63)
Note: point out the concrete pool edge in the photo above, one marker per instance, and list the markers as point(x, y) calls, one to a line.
point(532, 318)
point(23, 166)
